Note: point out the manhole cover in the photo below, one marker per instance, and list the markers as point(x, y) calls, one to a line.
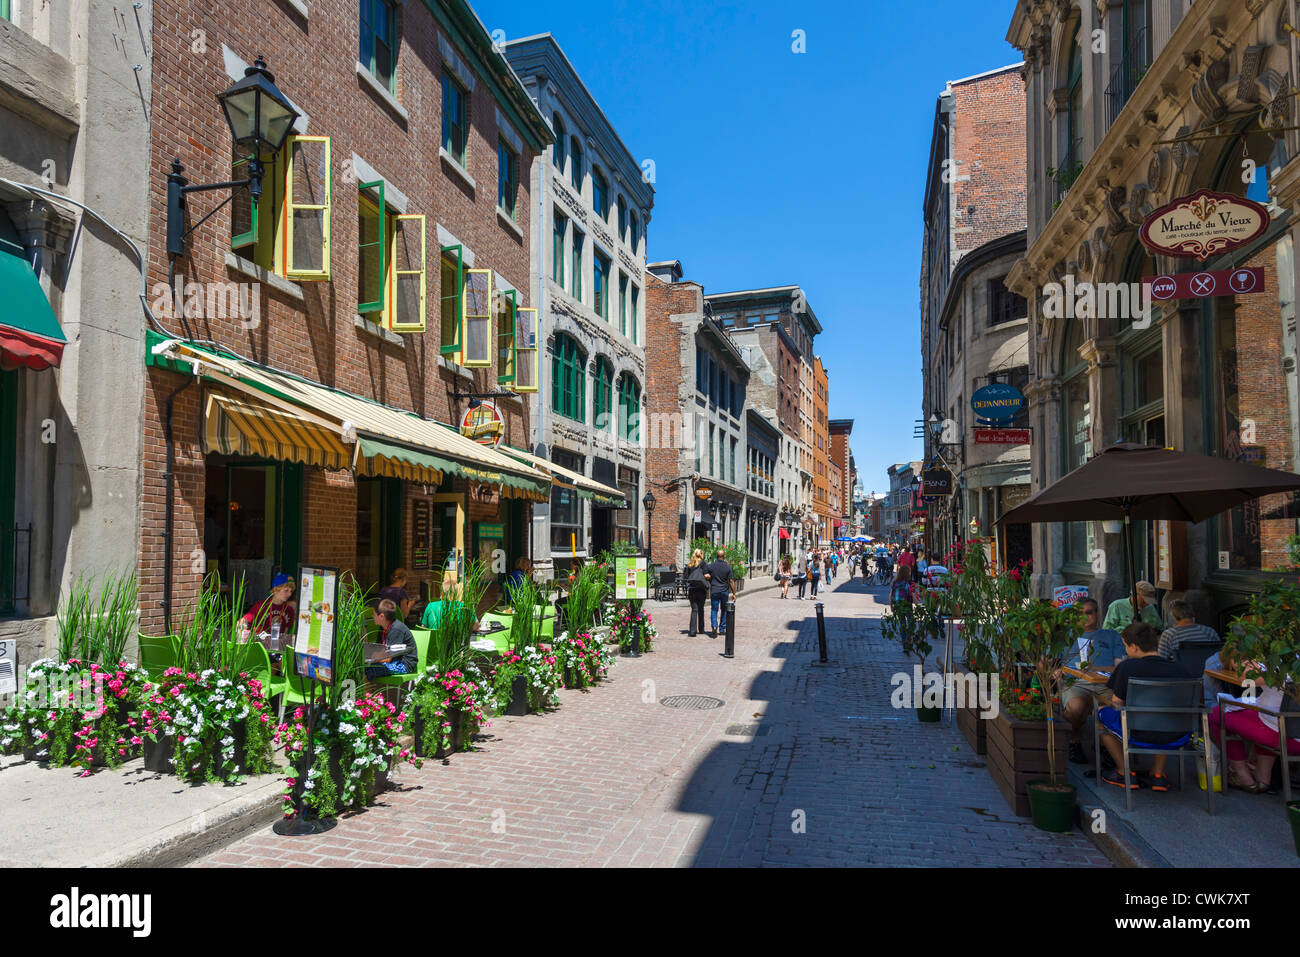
point(692, 702)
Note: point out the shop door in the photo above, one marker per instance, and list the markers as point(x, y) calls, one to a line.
point(601, 530)
point(379, 531)
point(448, 523)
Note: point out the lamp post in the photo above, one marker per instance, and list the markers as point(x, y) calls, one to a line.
point(260, 118)
point(649, 502)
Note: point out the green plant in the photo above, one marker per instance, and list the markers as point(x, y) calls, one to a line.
point(588, 589)
point(704, 545)
point(1265, 641)
point(525, 597)
point(449, 643)
point(1041, 635)
point(202, 712)
point(628, 617)
point(915, 625)
point(982, 598)
point(437, 695)
point(96, 626)
point(209, 634)
point(737, 556)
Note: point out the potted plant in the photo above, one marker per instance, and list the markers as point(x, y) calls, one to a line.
point(629, 619)
point(538, 668)
point(1042, 635)
point(208, 726)
point(449, 708)
point(737, 556)
point(915, 625)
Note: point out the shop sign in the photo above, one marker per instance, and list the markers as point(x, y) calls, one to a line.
point(998, 402)
point(703, 492)
point(483, 423)
point(630, 579)
point(1203, 285)
point(1001, 436)
point(918, 513)
point(936, 482)
point(1066, 595)
point(318, 602)
point(420, 529)
point(1203, 224)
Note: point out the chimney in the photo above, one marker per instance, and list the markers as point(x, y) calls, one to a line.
point(668, 271)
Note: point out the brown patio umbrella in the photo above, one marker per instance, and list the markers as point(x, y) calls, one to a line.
point(1130, 481)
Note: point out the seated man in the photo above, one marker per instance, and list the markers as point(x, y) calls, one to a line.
point(1144, 663)
point(1120, 612)
point(1185, 629)
point(393, 632)
point(1100, 648)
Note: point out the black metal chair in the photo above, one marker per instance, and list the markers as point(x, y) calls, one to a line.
point(1161, 707)
point(1192, 655)
point(1284, 756)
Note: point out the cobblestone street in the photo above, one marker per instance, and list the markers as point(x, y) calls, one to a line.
point(799, 766)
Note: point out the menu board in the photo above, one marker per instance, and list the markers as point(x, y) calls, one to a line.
point(630, 581)
point(313, 648)
point(420, 536)
point(8, 667)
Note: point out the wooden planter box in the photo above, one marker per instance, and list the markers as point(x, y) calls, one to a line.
point(1017, 754)
point(972, 727)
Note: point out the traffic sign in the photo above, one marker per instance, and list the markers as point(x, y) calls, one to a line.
point(1203, 285)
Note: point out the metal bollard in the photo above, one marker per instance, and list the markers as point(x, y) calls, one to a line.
point(821, 632)
point(635, 650)
point(730, 650)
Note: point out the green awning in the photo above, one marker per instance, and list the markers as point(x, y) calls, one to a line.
point(376, 448)
point(30, 335)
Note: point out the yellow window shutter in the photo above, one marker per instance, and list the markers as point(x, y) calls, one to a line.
point(526, 350)
point(478, 318)
point(306, 249)
point(407, 300)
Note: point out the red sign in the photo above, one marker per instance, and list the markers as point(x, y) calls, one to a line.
point(483, 423)
point(1203, 285)
point(1001, 436)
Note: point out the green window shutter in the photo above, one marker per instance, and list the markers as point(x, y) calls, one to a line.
point(635, 297)
point(507, 353)
point(243, 208)
point(372, 245)
point(453, 287)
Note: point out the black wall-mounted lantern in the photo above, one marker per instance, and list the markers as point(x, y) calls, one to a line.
point(260, 119)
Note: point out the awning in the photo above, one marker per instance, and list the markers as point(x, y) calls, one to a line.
point(277, 414)
point(784, 534)
point(30, 335)
point(588, 488)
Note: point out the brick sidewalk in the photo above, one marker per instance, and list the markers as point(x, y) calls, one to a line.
point(799, 766)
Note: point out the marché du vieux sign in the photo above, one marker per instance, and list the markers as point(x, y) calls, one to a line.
point(1203, 224)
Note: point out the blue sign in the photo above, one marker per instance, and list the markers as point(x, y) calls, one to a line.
point(997, 402)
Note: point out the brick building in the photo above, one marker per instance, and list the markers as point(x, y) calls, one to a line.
point(380, 294)
point(588, 245)
point(1215, 376)
point(820, 447)
point(839, 431)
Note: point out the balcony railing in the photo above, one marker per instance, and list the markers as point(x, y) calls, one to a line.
point(15, 565)
point(1068, 171)
point(1127, 73)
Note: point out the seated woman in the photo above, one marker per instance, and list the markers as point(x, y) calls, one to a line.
point(275, 609)
point(393, 633)
point(397, 594)
point(1259, 731)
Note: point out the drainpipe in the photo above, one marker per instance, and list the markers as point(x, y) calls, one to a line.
point(169, 506)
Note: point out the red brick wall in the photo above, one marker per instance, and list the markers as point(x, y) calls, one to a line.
point(840, 455)
point(314, 64)
point(329, 534)
point(989, 146)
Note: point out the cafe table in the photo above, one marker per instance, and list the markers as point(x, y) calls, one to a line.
point(504, 618)
point(1226, 676)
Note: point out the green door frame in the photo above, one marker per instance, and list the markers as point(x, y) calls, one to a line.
point(288, 483)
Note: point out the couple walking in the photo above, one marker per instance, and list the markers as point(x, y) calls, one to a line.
point(809, 570)
point(715, 580)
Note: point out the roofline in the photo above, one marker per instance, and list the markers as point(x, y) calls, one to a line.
point(987, 73)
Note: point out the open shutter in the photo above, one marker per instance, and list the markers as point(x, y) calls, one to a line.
point(478, 317)
point(306, 250)
point(372, 241)
point(452, 300)
point(408, 312)
point(243, 210)
point(525, 350)
point(506, 360)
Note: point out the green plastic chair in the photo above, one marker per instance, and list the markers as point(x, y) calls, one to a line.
point(254, 659)
point(157, 654)
point(422, 638)
point(295, 685)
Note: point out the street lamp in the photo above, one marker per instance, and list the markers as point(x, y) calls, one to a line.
point(260, 118)
point(648, 501)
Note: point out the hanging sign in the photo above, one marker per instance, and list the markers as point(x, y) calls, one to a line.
point(318, 602)
point(483, 423)
point(8, 667)
point(1063, 596)
point(1001, 436)
point(936, 482)
point(997, 402)
point(704, 493)
point(1203, 224)
point(1203, 285)
point(420, 530)
point(630, 581)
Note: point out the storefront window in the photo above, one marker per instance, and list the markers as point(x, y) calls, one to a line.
point(566, 508)
point(626, 521)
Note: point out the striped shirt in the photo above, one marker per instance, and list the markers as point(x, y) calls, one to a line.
point(1173, 637)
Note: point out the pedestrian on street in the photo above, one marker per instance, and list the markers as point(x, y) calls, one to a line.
point(697, 589)
point(901, 590)
point(721, 585)
point(815, 572)
point(801, 575)
point(786, 574)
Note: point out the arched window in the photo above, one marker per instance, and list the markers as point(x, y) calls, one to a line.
point(634, 238)
point(629, 408)
point(557, 151)
point(1071, 147)
point(599, 194)
point(622, 219)
point(602, 408)
point(568, 379)
point(576, 171)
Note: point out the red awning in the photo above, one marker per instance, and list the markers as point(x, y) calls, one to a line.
point(784, 533)
point(19, 349)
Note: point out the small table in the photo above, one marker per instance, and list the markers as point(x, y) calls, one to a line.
point(1226, 676)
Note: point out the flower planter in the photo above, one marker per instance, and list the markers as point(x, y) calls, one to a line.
point(158, 754)
point(381, 782)
point(455, 734)
point(1051, 806)
point(1017, 754)
point(518, 704)
point(972, 727)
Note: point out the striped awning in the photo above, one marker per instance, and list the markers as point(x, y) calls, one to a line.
point(235, 426)
point(588, 488)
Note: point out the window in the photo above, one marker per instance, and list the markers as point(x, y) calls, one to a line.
point(288, 230)
point(600, 285)
point(629, 409)
point(575, 286)
point(1005, 305)
point(1071, 164)
point(636, 296)
point(626, 520)
point(455, 118)
point(568, 379)
point(622, 219)
point(477, 318)
point(634, 239)
point(701, 372)
point(711, 431)
point(575, 165)
point(557, 149)
point(622, 304)
point(5, 13)
point(602, 408)
point(733, 461)
point(507, 179)
point(452, 299)
point(379, 42)
point(567, 532)
point(371, 239)
point(507, 360)
point(557, 249)
point(599, 194)
point(526, 371)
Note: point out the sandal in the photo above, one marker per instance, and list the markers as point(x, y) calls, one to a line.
point(1254, 787)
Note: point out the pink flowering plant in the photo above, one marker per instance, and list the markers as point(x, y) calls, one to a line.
point(582, 659)
point(542, 671)
point(79, 714)
point(446, 702)
point(220, 726)
point(356, 742)
point(627, 616)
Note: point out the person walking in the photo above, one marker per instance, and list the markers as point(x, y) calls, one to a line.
point(815, 572)
point(801, 575)
point(721, 586)
point(697, 589)
point(786, 575)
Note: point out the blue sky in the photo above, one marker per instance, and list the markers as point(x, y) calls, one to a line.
point(778, 168)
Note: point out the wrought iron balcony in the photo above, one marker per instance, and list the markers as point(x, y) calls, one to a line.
point(1127, 73)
